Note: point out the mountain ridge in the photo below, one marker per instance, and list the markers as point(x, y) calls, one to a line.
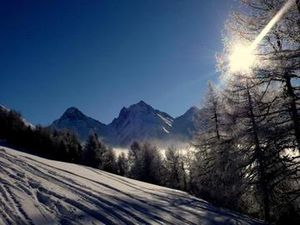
point(138, 121)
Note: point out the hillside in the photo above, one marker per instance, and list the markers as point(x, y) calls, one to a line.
point(34, 190)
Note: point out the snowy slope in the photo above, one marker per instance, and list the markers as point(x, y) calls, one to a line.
point(34, 190)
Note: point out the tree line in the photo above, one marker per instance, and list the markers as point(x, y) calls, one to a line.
point(143, 162)
point(52, 144)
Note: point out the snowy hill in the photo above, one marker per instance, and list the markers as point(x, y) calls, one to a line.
point(139, 122)
point(34, 190)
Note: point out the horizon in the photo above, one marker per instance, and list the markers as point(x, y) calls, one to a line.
point(101, 56)
point(106, 123)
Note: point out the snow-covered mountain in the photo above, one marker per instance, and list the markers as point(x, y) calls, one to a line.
point(80, 124)
point(141, 122)
point(138, 122)
point(34, 190)
point(187, 125)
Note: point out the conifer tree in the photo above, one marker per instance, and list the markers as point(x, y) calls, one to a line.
point(217, 177)
point(93, 151)
point(175, 174)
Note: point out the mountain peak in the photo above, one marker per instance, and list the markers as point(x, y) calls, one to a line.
point(190, 113)
point(195, 108)
point(73, 113)
point(82, 125)
point(188, 124)
point(141, 104)
point(72, 109)
point(192, 110)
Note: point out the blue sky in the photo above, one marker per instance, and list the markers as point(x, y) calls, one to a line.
point(102, 55)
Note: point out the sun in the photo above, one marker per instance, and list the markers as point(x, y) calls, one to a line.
point(241, 59)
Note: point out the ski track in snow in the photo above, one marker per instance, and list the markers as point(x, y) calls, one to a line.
point(34, 190)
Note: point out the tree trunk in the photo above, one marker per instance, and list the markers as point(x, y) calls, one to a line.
point(298, 5)
point(293, 109)
point(184, 177)
point(216, 121)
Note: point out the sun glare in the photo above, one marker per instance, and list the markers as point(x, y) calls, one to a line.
point(241, 59)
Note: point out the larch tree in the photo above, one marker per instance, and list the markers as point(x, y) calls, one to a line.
point(217, 178)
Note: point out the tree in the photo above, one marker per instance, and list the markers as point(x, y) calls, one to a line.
point(38, 140)
point(145, 163)
point(109, 161)
point(258, 136)
point(70, 149)
point(93, 152)
point(272, 121)
point(122, 165)
point(175, 174)
point(249, 137)
point(217, 177)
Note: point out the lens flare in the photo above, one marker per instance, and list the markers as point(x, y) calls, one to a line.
point(242, 57)
point(271, 24)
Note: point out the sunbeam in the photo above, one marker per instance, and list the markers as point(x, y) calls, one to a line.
point(242, 57)
point(271, 24)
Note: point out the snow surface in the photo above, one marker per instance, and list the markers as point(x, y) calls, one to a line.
point(167, 120)
point(165, 130)
point(34, 190)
